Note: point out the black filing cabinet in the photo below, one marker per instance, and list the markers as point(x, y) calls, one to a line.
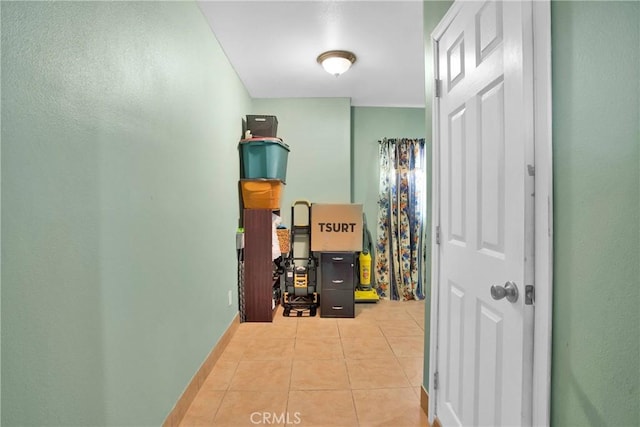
point(337, 284)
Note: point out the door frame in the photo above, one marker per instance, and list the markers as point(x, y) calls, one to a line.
point(543, 211)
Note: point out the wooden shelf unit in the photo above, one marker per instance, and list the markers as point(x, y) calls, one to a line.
point(258, 266)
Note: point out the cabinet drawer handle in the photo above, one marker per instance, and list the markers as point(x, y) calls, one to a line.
point(337, 258)
point(337, 281)
point(337, 307)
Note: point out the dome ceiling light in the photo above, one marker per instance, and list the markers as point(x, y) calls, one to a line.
point(336, 62)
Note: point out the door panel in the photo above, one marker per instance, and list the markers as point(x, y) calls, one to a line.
point(455, 347)
point(483, 157)
point(489, 342)
point(488, 29)
point(491, 169)
point(457, 179)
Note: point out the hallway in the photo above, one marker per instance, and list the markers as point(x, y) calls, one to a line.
point(317, 371)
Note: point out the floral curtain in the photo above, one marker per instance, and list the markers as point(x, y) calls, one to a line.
point(401, 210)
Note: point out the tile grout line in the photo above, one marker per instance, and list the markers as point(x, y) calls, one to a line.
point(227, 386)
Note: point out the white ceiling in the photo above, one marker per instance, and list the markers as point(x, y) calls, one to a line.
point(273, 46)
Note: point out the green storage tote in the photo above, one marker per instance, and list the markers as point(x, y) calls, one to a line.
point(264, 158)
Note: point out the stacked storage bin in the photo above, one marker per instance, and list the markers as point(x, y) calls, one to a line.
point(263, 174)
point(264, 164)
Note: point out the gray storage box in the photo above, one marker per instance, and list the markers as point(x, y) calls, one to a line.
point(262, 125)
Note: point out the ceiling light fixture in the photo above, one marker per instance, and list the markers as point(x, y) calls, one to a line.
point(336, 62)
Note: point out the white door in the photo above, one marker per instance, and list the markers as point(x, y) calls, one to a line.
point(484, 186)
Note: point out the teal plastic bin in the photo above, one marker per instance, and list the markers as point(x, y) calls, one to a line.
point(264, 158)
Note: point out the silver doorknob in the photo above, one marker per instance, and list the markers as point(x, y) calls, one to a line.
point(509, 290)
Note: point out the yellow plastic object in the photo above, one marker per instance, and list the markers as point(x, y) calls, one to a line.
point(365, 268)
point(300, 280)
point(261, 193)
point(367, 295)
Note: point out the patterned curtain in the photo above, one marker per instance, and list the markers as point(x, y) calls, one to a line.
point(401, 210)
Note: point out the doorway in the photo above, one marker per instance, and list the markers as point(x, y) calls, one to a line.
point(492, 245)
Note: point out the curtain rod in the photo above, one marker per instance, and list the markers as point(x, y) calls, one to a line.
point(380, 141)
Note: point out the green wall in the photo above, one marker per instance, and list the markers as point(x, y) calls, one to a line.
point(0, 229)
point(327, 133)
point(596, 140)
point(119, 207)
point(368, 126)
point(317, 131)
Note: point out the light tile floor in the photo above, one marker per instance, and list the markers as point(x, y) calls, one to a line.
point(315, 371)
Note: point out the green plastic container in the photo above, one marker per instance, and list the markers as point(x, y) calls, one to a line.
point(264, 158)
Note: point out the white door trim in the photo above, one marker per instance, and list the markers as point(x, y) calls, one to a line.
point(543, 211)
point(543, 220)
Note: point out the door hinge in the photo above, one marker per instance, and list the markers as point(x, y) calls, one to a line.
point(436, 383)
point(529, 295)
point(438, 88)
point(437, 235)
